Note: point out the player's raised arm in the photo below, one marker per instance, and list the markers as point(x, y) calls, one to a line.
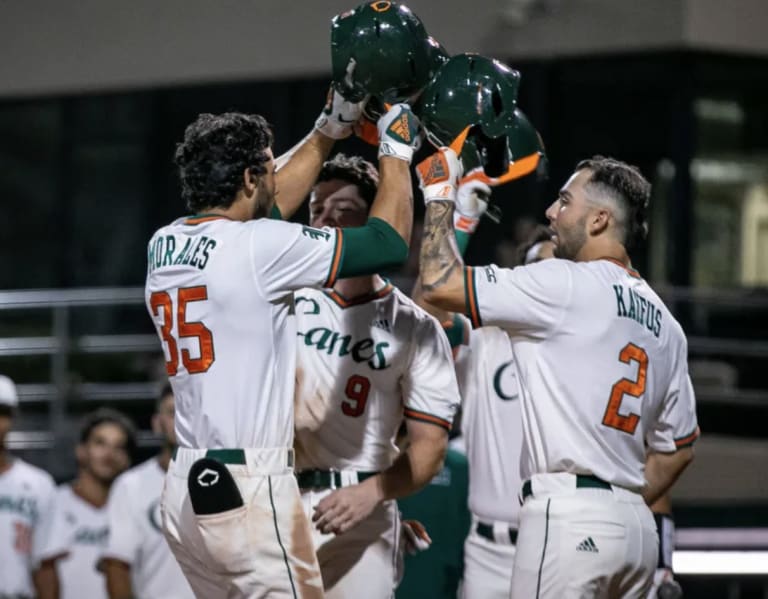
point(298, 168)
point(441, 264)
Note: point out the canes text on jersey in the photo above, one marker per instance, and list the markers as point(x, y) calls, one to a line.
point(166, 250)
point(639, 309)
point(365, 350)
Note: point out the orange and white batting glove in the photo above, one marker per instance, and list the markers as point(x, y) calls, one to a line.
point(398, 133)
point(471, 202)
point(338, 116)
point(439, 176)
point(415, 536)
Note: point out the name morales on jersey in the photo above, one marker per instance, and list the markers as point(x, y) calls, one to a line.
point(638, 309)
point(163, 251)
point(365, 350)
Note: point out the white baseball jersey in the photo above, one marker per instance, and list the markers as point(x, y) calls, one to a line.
point(220, 294)
point(491, 424)
point(602, 364)
point(136, 536)
point(362, 365)
point(81, 530)
point(26, 496)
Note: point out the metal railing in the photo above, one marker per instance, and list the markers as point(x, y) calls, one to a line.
point(60, 344)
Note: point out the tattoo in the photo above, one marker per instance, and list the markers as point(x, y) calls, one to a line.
point(439, 256)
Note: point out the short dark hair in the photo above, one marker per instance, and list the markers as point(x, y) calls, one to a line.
point(355, 170)
point(216, 150)
point(109, 416)
point(627, 183)
point(538, 234)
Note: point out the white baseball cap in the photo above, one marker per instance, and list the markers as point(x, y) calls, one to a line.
point(8, 395)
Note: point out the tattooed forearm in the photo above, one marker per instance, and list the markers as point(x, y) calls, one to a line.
point(439, 257)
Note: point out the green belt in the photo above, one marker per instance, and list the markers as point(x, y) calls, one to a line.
point(486, 531)
point(583, 481)
point(230, 456)
point(325, 479)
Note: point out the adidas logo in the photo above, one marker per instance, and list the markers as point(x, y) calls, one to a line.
point(588, 545)
point(381, 324)
point(400, 128)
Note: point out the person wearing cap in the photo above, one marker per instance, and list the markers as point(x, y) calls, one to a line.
point(26, 496)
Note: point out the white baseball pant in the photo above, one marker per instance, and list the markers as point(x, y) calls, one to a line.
point(367, 560)
point(580, 541)
point(261, 549)
point(488, 563)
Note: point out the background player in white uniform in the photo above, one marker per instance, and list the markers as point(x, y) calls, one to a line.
point(491, 427)
point(137, 562)
point(26, 497)
point(79, 530)
point(367, 357)
point(603, 370)
point(220, 291)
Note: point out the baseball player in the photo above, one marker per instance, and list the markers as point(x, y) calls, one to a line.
point(26, 497)
point(220, 291)
point(367, 357)
point(602, 369)
point(136, 560)
point(79, 529)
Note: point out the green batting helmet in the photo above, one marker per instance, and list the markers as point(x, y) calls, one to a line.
point(477, 96)
point(381, 49)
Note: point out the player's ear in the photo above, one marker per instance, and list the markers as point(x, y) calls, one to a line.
point(599, 221)
point(250, 182)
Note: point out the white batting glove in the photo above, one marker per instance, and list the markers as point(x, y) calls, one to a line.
point(439, 176)
point(398, 133)
point(338, 116)
point(471, 203)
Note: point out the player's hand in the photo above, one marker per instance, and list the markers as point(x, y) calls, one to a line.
point(439, 175)
point(346, 508)
point(399, 133)
point(415, 537)
point(339, 116)
point(471, 202)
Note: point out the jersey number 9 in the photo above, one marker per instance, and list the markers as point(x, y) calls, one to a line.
point(161, 300)
point(357, 395)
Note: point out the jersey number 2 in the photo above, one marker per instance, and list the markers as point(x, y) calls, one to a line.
point(160, 300)
point(625, 386)
point(357, 394)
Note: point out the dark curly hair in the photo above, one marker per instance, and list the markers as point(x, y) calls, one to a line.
point(627, 185)
point(217, 148)
point(355, 170)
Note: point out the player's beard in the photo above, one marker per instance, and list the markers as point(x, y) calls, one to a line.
point(265, 200)
point(570, 240)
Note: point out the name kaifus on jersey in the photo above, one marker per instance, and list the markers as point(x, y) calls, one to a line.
point(365, 350)
point(640, 309)
point(164, 251)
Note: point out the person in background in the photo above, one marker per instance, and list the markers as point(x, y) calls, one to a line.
point(26, 497)
point(137, 561)
point(79, 529)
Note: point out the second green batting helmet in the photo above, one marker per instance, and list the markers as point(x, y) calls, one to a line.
point(477, 96)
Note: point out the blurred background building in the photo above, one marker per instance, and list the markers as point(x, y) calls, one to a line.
point(94, 94)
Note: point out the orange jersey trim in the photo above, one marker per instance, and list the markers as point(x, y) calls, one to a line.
point(688, 439)
point(343, 302)
point(333, 273)
point(196, 220)
point(428, 418)
point(632, 272)
point(470, 297)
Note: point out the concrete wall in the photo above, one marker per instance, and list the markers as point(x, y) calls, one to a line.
point(49, 46)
